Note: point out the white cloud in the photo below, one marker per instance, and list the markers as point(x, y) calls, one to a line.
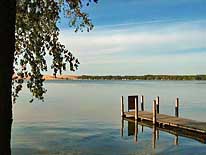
point(159, 39)
point(138, 43)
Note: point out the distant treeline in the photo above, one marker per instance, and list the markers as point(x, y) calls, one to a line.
point(145, 77)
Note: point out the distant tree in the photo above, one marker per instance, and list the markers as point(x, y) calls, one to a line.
point(29, 32)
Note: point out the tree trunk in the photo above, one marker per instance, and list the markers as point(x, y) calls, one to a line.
point(7, 48)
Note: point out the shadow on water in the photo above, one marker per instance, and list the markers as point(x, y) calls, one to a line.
point(94, 138)
point(27, 151)
point(133, 130)
point(179, 146)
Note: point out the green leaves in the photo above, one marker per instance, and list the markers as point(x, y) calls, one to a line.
point(37, 36)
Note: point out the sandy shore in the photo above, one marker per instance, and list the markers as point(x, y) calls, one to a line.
point(52, 77)
point(61, 77)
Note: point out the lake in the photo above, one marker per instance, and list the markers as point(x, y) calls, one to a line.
point(83, 118)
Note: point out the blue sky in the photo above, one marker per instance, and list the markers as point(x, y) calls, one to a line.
point(135, 37)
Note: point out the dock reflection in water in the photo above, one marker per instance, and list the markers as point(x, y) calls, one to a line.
point(133, 130)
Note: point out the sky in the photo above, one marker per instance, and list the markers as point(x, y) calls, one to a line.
point(137, 37)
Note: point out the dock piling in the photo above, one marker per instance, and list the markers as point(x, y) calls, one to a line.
point(177, 107)
point(122, 127)
point(154, 137)
point(136, 132)
point(176, 141)
point(142, 103)
point(154, 112)
point(158, 104)
point(122, 106)
point(136, 107)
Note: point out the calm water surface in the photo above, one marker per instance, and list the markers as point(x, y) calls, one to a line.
point(83, 118)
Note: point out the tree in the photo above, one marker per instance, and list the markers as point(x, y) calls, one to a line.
point(28, 32)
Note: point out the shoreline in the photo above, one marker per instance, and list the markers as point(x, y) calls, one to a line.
point(128, 78)
point(124, 78)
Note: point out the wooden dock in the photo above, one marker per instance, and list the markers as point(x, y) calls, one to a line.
point(172, 121)
point(191, 128)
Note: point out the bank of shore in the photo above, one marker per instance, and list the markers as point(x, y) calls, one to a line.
point(126, 77)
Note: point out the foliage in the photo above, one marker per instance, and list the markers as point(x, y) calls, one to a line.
point(36, 37)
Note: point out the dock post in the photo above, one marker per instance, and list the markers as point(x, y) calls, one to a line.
point(122, 106)
point(177, 107)
point(136, 132)
point(142, 103)
point(136, 107)
point(154, 112)
point(122, 127)
point(157, 134)
point(176, 142)
point(158, 104)
point(154, 137)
